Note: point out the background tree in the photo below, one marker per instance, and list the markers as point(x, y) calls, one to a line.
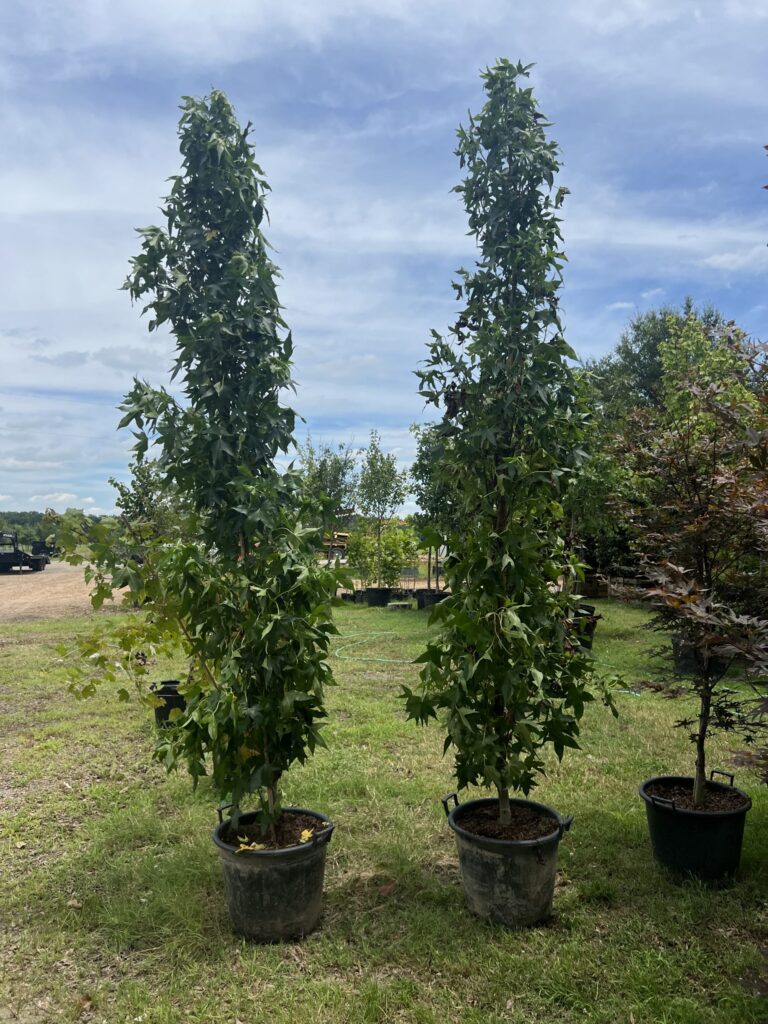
point(149, 508)
point(381, 490)
point(631, 375)
point(434, 495)
point(500, 670)
point(330, 480)
point(29, 526)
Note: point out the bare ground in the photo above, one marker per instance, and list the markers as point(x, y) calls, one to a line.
point(57, 591)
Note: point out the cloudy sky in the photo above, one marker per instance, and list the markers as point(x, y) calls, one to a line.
point(659, 109)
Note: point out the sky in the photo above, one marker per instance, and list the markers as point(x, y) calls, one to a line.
point(658, 107)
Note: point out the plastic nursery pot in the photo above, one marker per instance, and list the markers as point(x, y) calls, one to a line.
point(687, 659)
point(274, 895)
point(704, 844)
point(377, 597)
point(427, 598)
point(508, 881)
point(168, 692)
point(585, 624)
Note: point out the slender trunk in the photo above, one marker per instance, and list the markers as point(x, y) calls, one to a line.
point(437, 568)
point(271, 800)
point(429, 567)
point(700, 779)
point(505, 811)
point(378, 553)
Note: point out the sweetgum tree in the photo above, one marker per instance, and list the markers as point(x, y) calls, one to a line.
point(501, 670)
point(240, 588)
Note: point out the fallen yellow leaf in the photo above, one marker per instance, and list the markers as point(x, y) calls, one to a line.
point(306, 835)
point(245, 845)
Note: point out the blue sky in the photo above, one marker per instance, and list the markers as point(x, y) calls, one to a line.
point(658, 107)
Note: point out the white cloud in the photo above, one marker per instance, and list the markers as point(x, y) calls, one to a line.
point(658, 107)
point(12, 465)
point(53, 499)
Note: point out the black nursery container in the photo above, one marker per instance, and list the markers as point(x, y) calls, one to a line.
point(168, 692)
point(377, 597)
point(511, 882)
point(274, 895)
point(704, 844)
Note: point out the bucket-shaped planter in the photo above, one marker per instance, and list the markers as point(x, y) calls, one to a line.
point(585, 624)
point(274, 895)
point(705, 844)
point(509, 881)
point(377, 597)
point(428, 598)
point(168, 692)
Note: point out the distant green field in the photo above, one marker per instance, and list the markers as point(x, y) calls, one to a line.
point(111, 902)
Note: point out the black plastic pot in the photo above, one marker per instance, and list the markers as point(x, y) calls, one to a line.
point(594, 586)
point(687, 658)
point(705, 844)
point(585, 624)
point(168, 692)
point(508, 881)
point(274, 895)
point(427, 598)
point(377, 597)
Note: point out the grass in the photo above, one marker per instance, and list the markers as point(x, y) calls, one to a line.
point(112, 903)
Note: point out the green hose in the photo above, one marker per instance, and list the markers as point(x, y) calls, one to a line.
point(361, 638)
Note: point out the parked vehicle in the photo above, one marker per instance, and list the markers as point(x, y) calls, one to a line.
point(13, 556)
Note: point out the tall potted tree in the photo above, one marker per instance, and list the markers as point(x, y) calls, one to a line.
point(240, 589)
point(501, 671)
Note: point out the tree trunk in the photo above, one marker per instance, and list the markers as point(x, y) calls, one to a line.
point(700, 779)
point(271, 798)
point(378, 553)
point(429, 567)
point(505, 811)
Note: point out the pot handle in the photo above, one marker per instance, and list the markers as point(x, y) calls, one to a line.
point(445, 801)
point(565, 824)
point(662, 801)
point(220, 811)
point(716, 771)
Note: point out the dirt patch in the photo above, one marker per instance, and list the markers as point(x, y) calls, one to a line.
point(58, 591)
point(527, 823)
point(682, 795)
point(289, 832)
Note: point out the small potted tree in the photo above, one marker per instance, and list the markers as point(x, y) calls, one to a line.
point(700, 515)
point(501, 672)
point(240, 590)
point(696, 823)
point(381, 489)
point(434, 497)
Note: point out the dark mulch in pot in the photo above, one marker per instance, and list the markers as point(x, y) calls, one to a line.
point(527, 823)
point(714, 799)
point(287, 832)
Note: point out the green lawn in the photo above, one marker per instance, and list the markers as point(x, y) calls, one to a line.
point(111, 903)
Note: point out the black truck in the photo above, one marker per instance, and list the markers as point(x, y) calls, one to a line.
point(14, 557)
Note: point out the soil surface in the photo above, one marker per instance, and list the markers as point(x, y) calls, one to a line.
point(527, 823)
point(287, 832)
point(682, 795)
point(59, 590)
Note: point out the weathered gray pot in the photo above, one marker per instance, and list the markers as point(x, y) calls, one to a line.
point(275, 895)
point(508, 881)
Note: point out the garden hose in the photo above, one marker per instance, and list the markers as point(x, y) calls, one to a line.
point(361, 638)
